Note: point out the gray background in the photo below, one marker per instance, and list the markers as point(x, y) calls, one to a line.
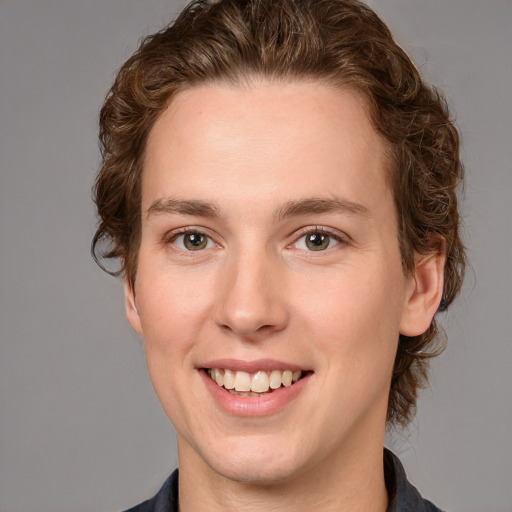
point(80, 429)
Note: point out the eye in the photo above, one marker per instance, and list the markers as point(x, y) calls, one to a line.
point(192, 241)
point(317, 240)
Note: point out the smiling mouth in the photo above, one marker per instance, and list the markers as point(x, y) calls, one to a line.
point(254, 384)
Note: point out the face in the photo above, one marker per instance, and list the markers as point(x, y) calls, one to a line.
point(269, 264)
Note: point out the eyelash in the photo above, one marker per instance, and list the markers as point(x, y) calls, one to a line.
point(171, 238)
point(341, 239)
point(333, 235)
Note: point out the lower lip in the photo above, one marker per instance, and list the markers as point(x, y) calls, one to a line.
point(264, 405)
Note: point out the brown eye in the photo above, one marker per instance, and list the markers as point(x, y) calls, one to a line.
point(317, 241)
point(194, 241)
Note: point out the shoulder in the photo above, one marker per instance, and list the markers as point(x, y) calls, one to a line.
point(403, 496)
point(165, 500)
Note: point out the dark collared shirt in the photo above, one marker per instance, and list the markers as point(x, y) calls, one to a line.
point(403, 496)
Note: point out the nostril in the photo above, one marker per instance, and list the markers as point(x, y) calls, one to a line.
point(249, 302)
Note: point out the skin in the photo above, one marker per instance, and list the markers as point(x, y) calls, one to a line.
point(258, 291)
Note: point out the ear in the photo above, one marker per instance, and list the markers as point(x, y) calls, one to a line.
point(132, 314)
point(425, 291)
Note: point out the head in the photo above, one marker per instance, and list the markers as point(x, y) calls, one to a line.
point(341, 44)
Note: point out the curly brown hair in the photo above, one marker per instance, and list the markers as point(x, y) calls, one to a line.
point(339, 42)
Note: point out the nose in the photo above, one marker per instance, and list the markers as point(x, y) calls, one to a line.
point(252, 297)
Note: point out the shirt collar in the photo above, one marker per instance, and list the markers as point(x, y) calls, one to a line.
point(403, 496)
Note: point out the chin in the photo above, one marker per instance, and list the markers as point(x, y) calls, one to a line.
point(256, 464)
point(254, 472)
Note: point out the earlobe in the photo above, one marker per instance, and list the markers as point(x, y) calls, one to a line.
point(424, 294)
point(132, 314)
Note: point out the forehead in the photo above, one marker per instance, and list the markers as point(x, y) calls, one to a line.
point(283, 139)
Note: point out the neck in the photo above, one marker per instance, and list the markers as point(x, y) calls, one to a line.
point(349, 481)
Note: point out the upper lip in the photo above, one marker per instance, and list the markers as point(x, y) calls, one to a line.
point(252, 366)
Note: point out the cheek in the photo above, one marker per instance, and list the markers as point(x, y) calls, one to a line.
point(354, 314)
point(171, 301)
point(169, 312)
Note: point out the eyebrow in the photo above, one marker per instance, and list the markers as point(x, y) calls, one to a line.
point(318, 205)
point(307, 206)
point(183, 207)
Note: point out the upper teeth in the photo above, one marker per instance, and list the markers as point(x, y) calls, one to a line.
point(259, 382)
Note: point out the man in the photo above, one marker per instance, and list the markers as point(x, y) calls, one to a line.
point(280, 187)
